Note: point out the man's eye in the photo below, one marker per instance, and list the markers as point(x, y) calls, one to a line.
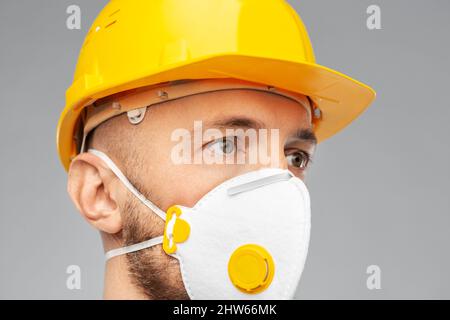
point(225, 145)
point(298, 159)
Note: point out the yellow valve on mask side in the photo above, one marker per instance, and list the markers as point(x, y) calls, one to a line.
point(181, 230)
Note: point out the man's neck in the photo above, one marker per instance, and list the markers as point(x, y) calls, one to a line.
point(118, 282)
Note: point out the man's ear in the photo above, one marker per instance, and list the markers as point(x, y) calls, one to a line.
point(92, 187)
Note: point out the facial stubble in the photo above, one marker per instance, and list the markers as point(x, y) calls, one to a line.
point(152, 270)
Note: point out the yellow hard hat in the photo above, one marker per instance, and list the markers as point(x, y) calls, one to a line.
point(133, 44)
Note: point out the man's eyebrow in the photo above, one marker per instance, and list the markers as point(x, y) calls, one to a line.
point(306, 134)
point(236, 122)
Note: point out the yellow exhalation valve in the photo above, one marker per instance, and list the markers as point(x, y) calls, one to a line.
point(251, 268)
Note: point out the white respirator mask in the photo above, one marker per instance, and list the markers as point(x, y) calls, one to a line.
point(245, 239)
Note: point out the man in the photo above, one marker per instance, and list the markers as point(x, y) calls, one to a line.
point(153, 77)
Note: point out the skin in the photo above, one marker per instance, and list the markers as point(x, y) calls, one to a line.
point(143, 153)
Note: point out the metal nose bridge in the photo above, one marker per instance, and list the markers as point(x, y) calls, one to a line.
point(259, 183)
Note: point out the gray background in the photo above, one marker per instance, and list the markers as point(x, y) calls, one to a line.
point(379, 189)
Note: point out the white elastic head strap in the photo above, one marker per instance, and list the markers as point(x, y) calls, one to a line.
point(142, 245)
point(135, 247)
point(128, 184)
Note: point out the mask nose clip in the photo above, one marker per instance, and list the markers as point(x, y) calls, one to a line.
point(285, 176)
point(177, 230)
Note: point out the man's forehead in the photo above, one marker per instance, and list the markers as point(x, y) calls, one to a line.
point(135, 102)
point(246, 108)
point(261, 101)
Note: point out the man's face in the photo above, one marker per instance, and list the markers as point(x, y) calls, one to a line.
point(154, 172)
